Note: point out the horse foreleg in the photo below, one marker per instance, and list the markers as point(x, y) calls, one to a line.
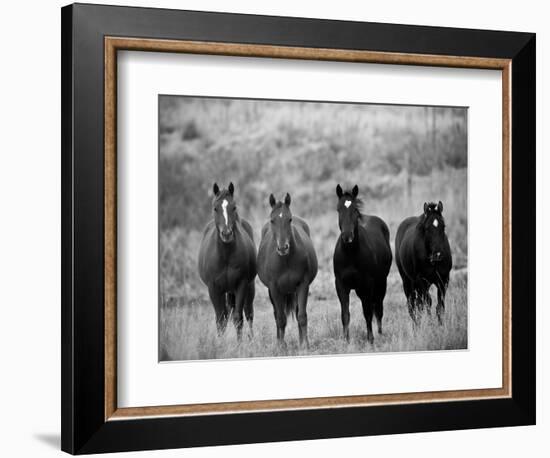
point(278, 300)
point(379, 302)
point(427, 298)
point(420, 299)
point(240, 297)
point(343, 297)
point(412, 307)
point(366, 301)
point(249, 306)
point(440, 308)
point(302, 294)
point(230, 303)
point(410, 295)
point(421, 296)
point(218, 301)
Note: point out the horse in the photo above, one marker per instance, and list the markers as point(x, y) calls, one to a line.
point(227, 262)
point(423, 258)
point(287, 264)
point(362, 260)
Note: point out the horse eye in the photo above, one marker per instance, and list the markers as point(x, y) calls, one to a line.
point(290, 220)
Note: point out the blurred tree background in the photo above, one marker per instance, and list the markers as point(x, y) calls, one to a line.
point(400, 157)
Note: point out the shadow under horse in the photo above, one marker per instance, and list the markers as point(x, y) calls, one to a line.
point(227, 262)
point(423, 258)
point(362, 260)
point(287, 264)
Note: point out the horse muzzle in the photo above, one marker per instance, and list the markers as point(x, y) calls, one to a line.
point(347, 237)
point(226, 235)
point(435, 257)
point(283, 250)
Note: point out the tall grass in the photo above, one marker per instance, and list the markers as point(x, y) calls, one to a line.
point(188, 331)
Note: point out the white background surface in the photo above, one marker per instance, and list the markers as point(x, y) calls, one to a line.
point(30, 229)
point(142, 76)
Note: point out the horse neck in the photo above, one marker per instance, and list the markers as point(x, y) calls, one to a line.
point(355, 244)
point(292, 242)
point(419, 231)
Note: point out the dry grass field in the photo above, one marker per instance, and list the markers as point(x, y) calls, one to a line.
point(399, 156)
point(188, 331)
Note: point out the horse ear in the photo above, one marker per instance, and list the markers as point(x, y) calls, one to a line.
point(272, 201)
point(355, 191)
point(216, 189)
point(287, 199)
point(231, 188)
point(425, 208)
point(440, 207)
point(339, 191)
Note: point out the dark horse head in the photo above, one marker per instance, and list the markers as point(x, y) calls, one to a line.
point(432, 225)
point(281, 220)
point(349, 213)
point(225, 212)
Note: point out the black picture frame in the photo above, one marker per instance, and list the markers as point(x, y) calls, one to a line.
point(84, 428)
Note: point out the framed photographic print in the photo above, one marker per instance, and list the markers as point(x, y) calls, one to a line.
point(282, 228)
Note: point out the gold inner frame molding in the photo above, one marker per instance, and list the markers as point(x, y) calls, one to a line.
point(114, 44)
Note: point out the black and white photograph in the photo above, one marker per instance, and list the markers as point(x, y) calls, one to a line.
point(297, 228)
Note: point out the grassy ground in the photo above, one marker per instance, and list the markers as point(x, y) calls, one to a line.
point(188, 331)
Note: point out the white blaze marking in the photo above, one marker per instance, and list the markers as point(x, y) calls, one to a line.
point(281, 215)
point(436, 223)
point(347, 203)
point(225, 203)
